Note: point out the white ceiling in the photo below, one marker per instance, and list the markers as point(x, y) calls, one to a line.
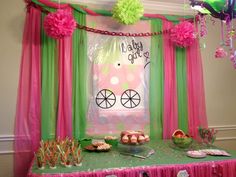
point(150, 6)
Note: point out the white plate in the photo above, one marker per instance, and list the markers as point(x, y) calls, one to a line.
point(215, 152)
point(196, 154)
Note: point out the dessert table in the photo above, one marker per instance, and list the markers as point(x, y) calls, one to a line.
point(167, 161)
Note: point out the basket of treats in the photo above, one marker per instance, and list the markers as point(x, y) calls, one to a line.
point(98, 146)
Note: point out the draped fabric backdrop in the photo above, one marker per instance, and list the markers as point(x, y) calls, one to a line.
point(54, 92)
point(28, 111)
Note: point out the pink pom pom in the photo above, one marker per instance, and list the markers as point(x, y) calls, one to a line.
point(59, 24)
point(220, 53)
point(183, 34)
point(233, 58)
point(203, 30)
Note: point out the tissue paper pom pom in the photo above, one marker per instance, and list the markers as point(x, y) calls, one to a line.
point(183, 34)
point(128, 11)
point(233, 58)
point(220, 53)
point(59, 24)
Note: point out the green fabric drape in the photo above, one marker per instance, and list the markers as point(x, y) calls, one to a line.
point(108, 13)
point(156, 82)
point(182, 88)
point(80, 80)
point(49, 86)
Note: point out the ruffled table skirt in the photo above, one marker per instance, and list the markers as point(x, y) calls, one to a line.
point(166, 162)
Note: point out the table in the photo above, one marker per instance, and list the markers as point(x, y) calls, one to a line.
point(166, 162)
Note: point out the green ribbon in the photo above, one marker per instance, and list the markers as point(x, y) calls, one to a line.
point(80, 78)
point(182, 88)
point(156, 82)
point(49, 85)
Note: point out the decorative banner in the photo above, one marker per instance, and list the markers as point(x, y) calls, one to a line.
point(120, 78)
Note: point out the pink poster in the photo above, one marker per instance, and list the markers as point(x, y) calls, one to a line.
point(119, 78)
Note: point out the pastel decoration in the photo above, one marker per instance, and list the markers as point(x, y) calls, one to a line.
point(183, 34)
point(114, 78)
point(170, 106)
point(53, 4)
point(28, 108)
point(220, 53)
point(233, 58)
point(203, 28)
point(128, 11)
point(59, 24)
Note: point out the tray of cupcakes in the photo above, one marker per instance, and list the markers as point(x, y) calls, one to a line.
point(132, 141)
point(132, 137)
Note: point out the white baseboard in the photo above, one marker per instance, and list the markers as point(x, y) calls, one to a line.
point(226, 138)
point(6, 144)
point(7, 138)
point(6, 152)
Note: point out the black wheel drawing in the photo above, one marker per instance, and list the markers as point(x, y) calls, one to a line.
point(105, 99)
point(130, 98)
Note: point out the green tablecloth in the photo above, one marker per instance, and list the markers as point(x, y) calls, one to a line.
point(165, 154)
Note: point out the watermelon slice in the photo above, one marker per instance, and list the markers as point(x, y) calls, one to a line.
point(181, 139)
point(178, 133)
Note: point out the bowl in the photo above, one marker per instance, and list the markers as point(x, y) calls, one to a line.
point(182, 142)
point(85, 142)
point(114, 142)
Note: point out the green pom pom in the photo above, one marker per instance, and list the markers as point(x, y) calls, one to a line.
point(128, 11)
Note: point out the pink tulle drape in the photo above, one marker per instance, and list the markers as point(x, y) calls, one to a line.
point(170, 120)
point(53, 4)
point(195, 86)
point(64, 119)
point(28, 110)
point(226, 168)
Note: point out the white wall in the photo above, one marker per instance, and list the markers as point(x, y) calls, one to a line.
point(12, 19)
point(220, 88)
point(219, 77)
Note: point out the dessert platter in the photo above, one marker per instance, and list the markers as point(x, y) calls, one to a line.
point(98, 146)
point(132, 141)
point(132, 137)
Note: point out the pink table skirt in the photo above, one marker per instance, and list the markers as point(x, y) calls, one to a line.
point(226, 168)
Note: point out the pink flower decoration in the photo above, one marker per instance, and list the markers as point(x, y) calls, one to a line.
point(59, 24)
point(233, 58)
point(203, 29)
point(220, 53)
point(183, 34)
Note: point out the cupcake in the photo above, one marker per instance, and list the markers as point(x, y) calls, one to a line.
point(125, 139)
point(133, 139)
point(147, 138)
point(141, 139)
